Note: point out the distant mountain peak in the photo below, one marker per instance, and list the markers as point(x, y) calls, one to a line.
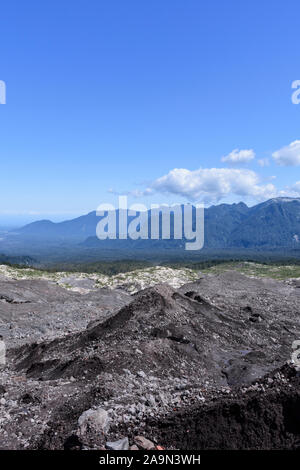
point(273, 224)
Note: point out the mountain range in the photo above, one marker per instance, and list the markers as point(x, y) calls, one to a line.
point(271, 225)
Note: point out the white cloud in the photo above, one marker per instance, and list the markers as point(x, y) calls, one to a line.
point(213, 184)
point(239, 156)
point(263, 162)
point(292, 191)
point(289, 155)
point(296, 187)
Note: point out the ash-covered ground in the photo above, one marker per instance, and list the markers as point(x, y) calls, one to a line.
point(203, 366)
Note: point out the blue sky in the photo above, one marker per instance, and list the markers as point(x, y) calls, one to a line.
point(145, 98)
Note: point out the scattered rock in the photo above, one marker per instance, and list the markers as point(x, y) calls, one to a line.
point(144, 443)
point(121, 444)
point(141, 374)
point(95, 420)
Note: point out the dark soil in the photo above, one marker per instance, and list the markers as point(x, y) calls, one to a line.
point(259, 421)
